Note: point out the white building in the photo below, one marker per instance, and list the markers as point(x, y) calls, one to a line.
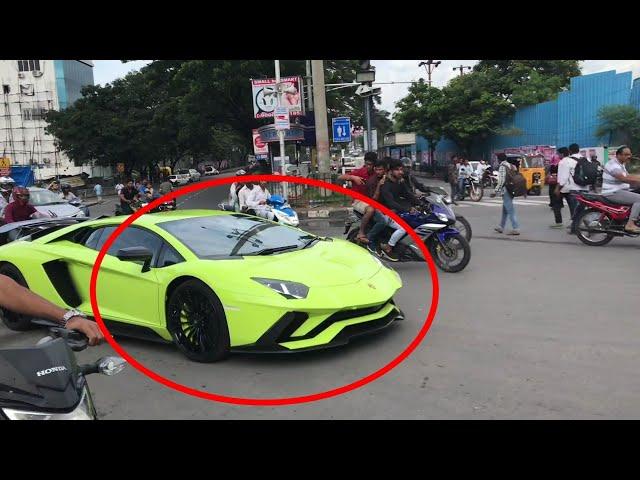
point(29, 89)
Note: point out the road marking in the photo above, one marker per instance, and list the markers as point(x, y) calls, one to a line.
point(498, 203)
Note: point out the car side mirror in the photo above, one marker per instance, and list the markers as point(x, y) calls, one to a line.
point(136, 254)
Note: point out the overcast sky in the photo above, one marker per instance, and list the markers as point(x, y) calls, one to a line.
point(386, 71)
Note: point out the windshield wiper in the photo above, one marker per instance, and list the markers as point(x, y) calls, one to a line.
point(269, 251)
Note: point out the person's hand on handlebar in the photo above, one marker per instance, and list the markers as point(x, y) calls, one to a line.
point(89, 328)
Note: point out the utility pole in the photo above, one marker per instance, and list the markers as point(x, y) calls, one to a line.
point(285, 189)
point(320, 114)
point(461, 68)
point(429, 66)
point(366, 76)
point(309, 88)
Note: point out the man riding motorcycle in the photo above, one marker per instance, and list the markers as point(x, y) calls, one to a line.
point(396, 195)
point(20, 209)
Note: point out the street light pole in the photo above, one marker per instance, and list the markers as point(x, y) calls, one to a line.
point(429, 66)
point(461, 68)
point(285, 189)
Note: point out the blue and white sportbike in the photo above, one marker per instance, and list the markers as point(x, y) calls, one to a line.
point(434, 223)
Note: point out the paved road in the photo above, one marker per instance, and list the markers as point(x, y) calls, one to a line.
point(536, 327)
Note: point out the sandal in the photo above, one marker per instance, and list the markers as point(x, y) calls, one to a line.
point(362, 239)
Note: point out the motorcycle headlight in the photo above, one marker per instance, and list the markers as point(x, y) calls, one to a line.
point(84, 411)
point(442, 217)
point(289, 290)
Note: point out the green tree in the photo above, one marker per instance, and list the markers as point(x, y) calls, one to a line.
point(472, 109)
point(421, 111)
point(107, 125)
point(619, 124)
point(527, 82)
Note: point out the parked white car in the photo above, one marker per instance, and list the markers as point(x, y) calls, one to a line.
point(50, 203)
point(179, 179)
point(195, 175)
point(211, 170)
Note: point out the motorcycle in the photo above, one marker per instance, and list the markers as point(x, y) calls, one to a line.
point(472, 188)
point(45, 382)
point(489, 178)
point(166, 206)
point(433, 223)
point(602, 220)
point(435, 194)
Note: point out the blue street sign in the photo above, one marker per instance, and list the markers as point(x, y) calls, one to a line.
point(341, 127)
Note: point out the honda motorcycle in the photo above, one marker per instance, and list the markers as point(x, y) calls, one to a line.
point(602, 220)
point(45, 382)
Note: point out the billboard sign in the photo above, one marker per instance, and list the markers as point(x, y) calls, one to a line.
point(265, 98)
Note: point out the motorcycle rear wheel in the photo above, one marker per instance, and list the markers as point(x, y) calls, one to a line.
point(593, 219)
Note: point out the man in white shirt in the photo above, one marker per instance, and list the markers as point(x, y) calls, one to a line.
point(566, 169)
point(615, 186)
point(243, 194)
point(258, 201)
point(464, 171)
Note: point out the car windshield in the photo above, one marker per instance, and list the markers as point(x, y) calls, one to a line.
point(222, 236)
point(44, 197)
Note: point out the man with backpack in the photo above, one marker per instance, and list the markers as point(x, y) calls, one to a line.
point(510, 185)
point(575, 174)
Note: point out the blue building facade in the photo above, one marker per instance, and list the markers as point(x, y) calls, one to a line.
point(571, 118)
point(71, 76)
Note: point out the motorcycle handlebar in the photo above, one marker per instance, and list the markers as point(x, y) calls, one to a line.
point(76, 340)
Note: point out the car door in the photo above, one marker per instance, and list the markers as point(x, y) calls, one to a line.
point(124, 292)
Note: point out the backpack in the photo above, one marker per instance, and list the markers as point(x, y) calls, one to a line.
point(585, 173)
point(515, 183)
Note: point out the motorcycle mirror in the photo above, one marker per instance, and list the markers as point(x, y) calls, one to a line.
point(111, 365)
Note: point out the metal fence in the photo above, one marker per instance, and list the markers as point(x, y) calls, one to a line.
point(302, 195)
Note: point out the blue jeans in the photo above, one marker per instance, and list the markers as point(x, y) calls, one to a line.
point(380, 223)
point(508, 210)
point(461, 182)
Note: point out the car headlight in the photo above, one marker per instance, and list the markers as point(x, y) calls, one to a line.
point(442, 217)
point(289, 290)
point(84, 411)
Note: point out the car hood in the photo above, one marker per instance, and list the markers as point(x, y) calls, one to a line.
point(59, 209)
point(325, 264)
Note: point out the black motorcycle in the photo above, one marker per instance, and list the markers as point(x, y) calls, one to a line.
point(45, 382)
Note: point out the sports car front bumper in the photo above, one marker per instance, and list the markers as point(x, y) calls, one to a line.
point(338, 329)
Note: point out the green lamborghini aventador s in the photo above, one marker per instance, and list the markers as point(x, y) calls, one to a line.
point(210, 281)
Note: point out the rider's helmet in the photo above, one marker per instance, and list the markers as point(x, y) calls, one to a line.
point(21, 195)
point(6, 184)
point(406, 162)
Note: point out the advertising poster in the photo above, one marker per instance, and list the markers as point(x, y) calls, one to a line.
point(265, 98)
